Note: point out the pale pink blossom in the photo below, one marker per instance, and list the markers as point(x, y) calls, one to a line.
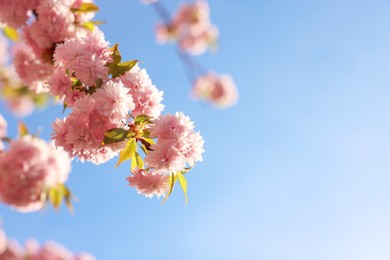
point(4, 52)
point(26, 169)
point(13, 251)
point(178, 145)
point(190, 27)
point(31, 69)
point(15, 12)
point(146, 97)
point(86, 57)
point(165, 158)
point(21, 106)
point(60, 84)
point(113, 100)
point(3, 241)
point(149, 183)
point(220, 90)
point(52, 251)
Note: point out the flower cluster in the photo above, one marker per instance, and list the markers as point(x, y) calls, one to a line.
point(12, 250)
point(219, 90)
point(29, 169)
point(114, 105)
point(19, 98)
point(43, 24)
point(191, 27)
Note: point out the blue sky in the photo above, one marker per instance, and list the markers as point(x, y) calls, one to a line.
point(298, 169)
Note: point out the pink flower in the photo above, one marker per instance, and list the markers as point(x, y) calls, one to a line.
point(113, 100)
point(52, 251)
point(13, 251)
point(146, 97)
point(171, 126)
point(26, 169)
point(15, 12)
point(4, 53)
point(177, 144)
point(149, 183)
point(87, 57)
point(165, 158)
point(21, 106)
point(3, 241)
point(220, 90)
point(191, 27)
point(31, 69)
point(60, 84)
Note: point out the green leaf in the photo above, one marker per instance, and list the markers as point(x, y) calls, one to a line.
point(116, 55)
point(23, 130)
point(67, 196)
point(138, 159)
point(183, 184)
point(86, 8)
point(172, 182)
point(65, 106)
point(143, 148)
point(122, 67)
point(89, 25)
point(11, 33)
point(55, 196)
point(115, 135)
point(128, 152)
point(142, 119)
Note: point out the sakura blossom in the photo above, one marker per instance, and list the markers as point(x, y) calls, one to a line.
point(27, 168)
point(12, 250)
point(191, 27)
point(220, 90)
point(177, 145)
point(149, 183)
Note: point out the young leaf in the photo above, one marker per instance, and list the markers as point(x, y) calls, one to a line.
point(139, 161)
point(116, 55)
point(128, 152)
point(55, 196)
point(143, 148)
point(89, 25)
point(23, 130)
point(67, 196)
point(11, 33)
point(121, 68)
point(172, 181)
point(136, 161)
point(142, 119)
point(183, 184)
point(115, 135)
point(86, 8)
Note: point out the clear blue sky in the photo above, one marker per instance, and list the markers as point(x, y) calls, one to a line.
point(298, 170)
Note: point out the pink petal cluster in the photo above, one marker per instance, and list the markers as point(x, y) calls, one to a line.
point(12, 250)
point(86, 57)
point(147, 98)
point(81, 133)
point(98, 101)
point(178, 144)
point(28, 167)
point(220, 90)
point(149, 182)
point(44, 24)
point(191, 27)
